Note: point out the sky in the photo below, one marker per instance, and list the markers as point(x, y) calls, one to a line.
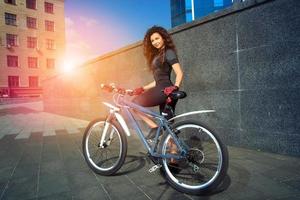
point(96, 27)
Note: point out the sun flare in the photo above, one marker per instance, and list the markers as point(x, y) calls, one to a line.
point(68, 65)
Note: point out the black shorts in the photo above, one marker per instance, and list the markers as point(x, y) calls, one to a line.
point(154, 97)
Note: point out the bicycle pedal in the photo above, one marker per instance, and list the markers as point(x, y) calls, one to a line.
point(154, 168)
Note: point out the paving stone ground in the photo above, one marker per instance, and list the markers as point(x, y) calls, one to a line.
point(40, 158)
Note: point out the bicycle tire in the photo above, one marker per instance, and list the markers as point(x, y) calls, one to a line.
point(117, 160)
point(172, 174)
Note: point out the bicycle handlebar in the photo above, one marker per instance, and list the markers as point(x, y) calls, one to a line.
point(113, 88)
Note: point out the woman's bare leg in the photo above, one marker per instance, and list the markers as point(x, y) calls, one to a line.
point(173, 150)
point(147, 120)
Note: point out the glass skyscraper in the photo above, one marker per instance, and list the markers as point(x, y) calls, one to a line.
point(183, 11)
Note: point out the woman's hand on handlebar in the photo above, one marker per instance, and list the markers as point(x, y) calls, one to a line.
point(108, 88)
point(138, 91)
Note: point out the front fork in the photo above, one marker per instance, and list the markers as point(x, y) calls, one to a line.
point(103, 143)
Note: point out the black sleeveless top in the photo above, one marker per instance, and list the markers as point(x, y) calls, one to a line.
point(162, 70)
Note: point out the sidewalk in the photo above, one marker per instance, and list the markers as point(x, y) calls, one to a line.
point(8, 100)
point(40, 158)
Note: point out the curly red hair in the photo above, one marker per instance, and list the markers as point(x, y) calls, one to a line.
point(150, 51)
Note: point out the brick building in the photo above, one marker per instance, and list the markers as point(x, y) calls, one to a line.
point(32, 44)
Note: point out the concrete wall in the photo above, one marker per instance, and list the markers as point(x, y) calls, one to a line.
point(78, 93)
point(241, 61)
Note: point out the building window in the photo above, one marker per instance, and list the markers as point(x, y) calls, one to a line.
point(31, 22)
point(13, 81)
point(10, 19)
point(10, 2)
point(33, 81)
point(31, 4)
point(50, 63)
point(31, 42)
point(48, 7)
point(50, 44)
point(12, 61)
point(49, 25)
point(11, 39)
point(183, 11)
point(32, 62)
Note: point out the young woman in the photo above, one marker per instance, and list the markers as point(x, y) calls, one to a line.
point(161, 57)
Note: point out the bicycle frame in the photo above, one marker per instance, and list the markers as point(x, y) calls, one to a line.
point(162, 123)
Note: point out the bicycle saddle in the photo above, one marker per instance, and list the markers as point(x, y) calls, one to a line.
point(178, 95)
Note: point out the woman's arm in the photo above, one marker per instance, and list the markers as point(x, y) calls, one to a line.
point(179, 74)
point(150, 85)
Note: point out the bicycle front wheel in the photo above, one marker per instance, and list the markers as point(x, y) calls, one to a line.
point(108, 158)
point(205, 162)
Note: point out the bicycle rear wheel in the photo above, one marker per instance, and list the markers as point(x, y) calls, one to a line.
point(205, 163)
point(108, 159)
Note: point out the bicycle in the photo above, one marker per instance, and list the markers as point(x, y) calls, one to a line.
point(201, 159)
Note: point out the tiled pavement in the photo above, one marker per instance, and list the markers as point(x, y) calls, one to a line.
point(40, 158)
point(23, 119)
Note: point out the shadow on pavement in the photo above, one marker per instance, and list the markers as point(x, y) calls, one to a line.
point(131, 164)
point(242, 179)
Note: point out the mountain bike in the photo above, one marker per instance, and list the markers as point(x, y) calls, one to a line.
point(198, 164)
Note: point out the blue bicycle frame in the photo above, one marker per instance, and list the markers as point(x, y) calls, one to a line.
point(162, 123)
